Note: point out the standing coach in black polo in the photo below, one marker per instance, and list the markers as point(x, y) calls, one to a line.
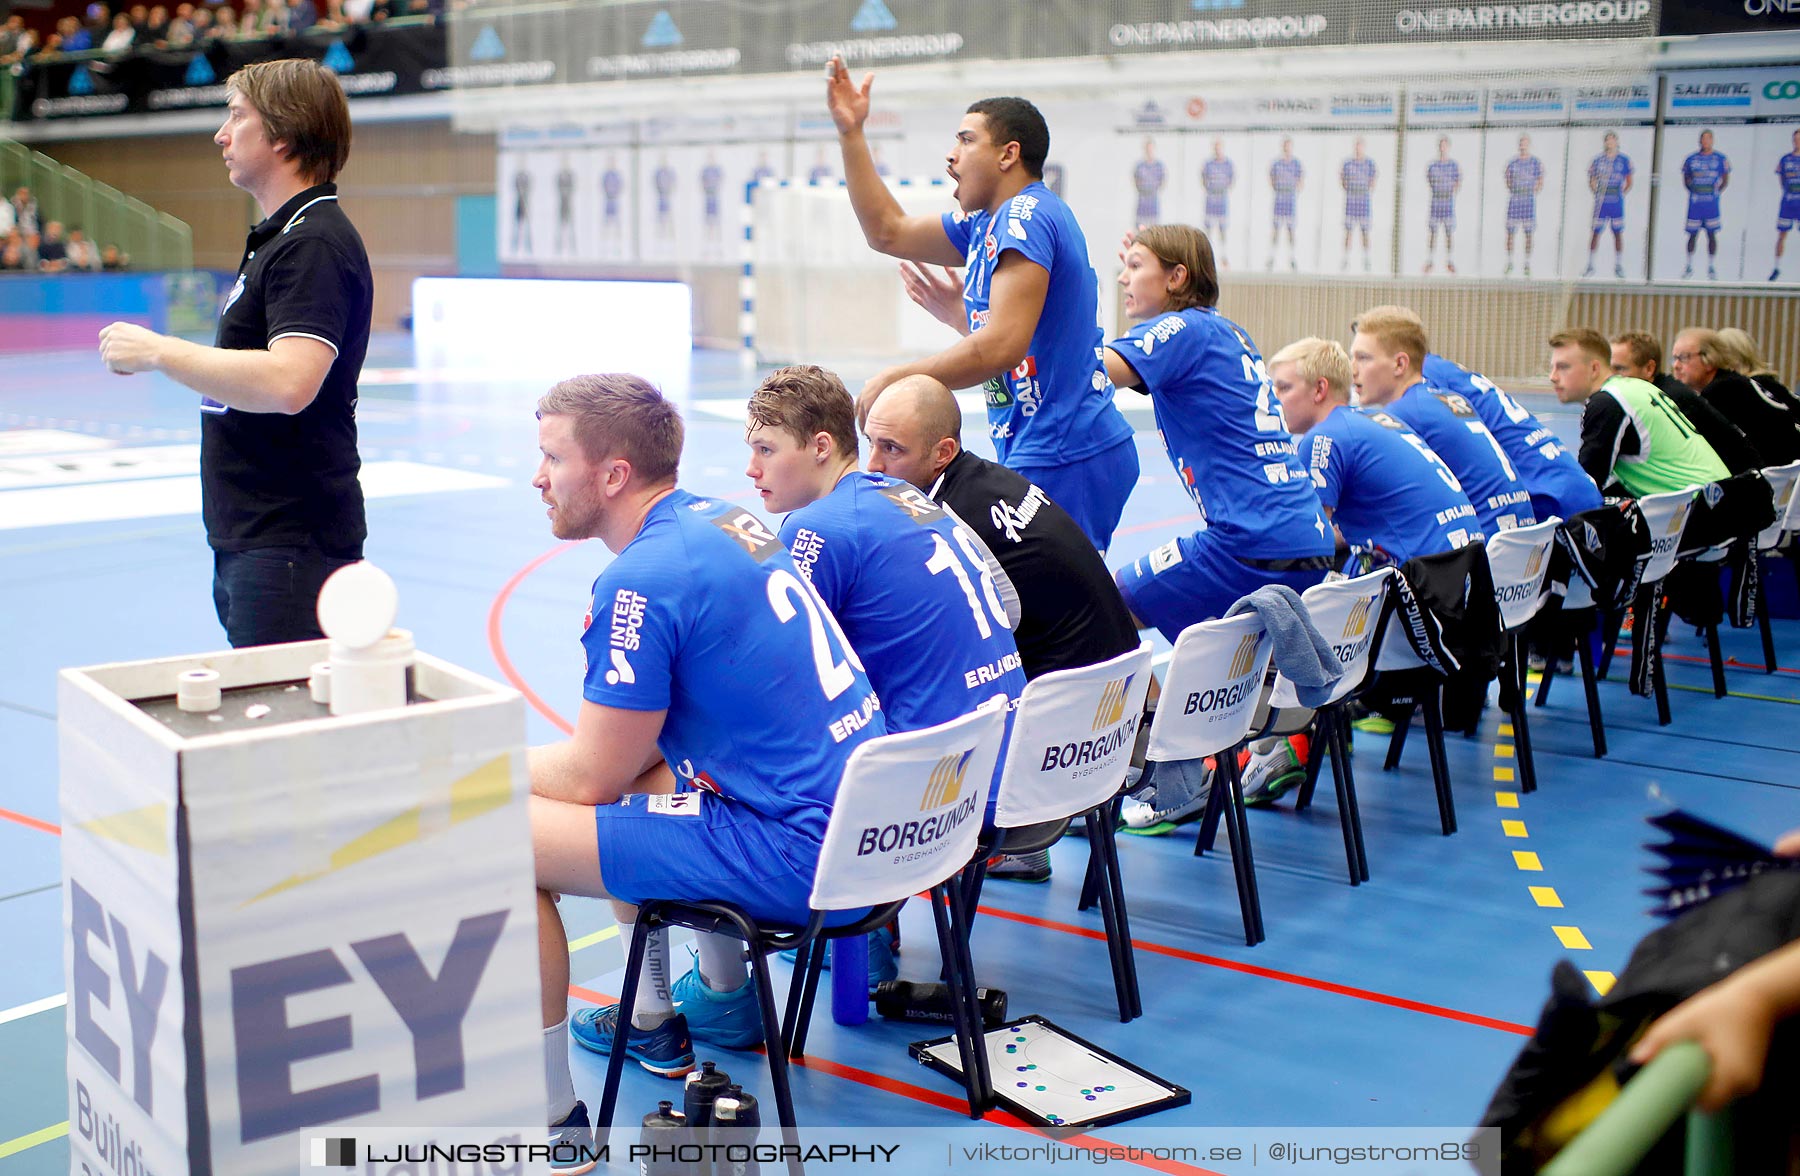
point(278, 460)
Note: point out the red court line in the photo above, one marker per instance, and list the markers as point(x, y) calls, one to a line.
point(1398, 1002)
point(1731, 663)
point(30, 822)
point(497, 640)
point(936, 1098)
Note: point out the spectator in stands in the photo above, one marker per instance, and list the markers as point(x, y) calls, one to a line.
point(204, 29)
point(53, 250)
point(1637, 354)
point(75, 38)
point(225, 23)
point(301, 15)
point(25, 45)
point(1700, 363)
point(25, 212)
point(82, 254)
point(1745, 358)
point(140, 22)
point(113, 258)
point(181, 29)
point(12, 253)
point(1630, 431)
point(250, 22)
point(122, 36)
point(156, 28)
point(9, 35)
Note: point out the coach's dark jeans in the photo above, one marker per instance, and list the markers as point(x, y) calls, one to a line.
point(270, 595)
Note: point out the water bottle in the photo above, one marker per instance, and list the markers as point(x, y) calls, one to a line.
point(702, 1087)
point(910, 1000)
point(849, 979)
point(734, 1128)
point(663, 1139)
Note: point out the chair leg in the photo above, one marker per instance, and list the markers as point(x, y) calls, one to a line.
point(1340, 733)
point(1762, 614)
point(1717, 658)
point(1440, 759)
point(778, 1058)
point(1109, 914)
point(1521, 725)
point(1315, 760)
point(1397, 742)
point(1237, 830)
point(1215, 804)
point(1090, 882)
point(1549, 672)
point(1243, 816)
point(971, 1043)
point(1610, 627)
point(1328, 724)
point(615, 1062)
point(804, 987)
point(1121, 946)
point(1584, 649)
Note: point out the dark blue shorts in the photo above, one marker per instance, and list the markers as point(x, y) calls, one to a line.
point(696, 847)
point(1192, 579)
point(1093, 490)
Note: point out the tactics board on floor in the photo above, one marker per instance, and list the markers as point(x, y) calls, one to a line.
point(1055, 1080)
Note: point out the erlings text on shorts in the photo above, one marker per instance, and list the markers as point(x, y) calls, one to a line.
point(917, 834)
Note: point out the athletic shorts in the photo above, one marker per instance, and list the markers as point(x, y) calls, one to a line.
point(1442, 214)
point(1609, 216)
point(1192, 579)
point(695, 846)
point(1703, 216)
point(1146, 209)
point(1356, 213)
point(1216, 208)
point(1092, 490)
point(1788, 216)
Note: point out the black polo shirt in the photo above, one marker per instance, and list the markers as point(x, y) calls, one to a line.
point(1073, 614)
point(268, 479)
point(1765, 420)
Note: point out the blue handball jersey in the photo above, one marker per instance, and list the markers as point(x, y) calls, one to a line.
point(1057, 405)
point(1608, 174)
point(1703, 173)
point(1385, 487)
point(1442, 177)
point(1216, 176)
point(1358, 176)
point(1449, 424)
point(1788, 169)
point(705, 615)
point(1223, 430)
point(913, 596)
point(1538, 457)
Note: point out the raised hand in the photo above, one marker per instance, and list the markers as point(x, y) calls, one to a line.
point(940, 296)
point(849, 104)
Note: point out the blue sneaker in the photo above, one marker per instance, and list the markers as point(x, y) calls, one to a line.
point(883, 947)
point(666, 1050)
point(728, 1019)
point(572, 1144)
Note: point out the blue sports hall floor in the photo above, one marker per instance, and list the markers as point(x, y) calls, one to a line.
point(1397, 1004)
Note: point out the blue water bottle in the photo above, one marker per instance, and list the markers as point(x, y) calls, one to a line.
point(849, 979)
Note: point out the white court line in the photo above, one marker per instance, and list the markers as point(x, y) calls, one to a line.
point(155, 498)
point(37, 1006)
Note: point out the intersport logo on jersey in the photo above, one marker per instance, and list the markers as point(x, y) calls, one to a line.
point(1587, 14)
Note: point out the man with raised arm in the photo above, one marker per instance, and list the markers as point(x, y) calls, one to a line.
point(1030, 293)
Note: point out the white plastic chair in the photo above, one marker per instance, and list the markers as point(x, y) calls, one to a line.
point(1211, 689)
point(1782, 481)
point(1070, 746)
point(1350, 614)
point(1519, 560)
point(936, 778)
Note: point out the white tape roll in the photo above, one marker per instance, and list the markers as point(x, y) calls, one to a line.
point(320, 683)
point(197, 691)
